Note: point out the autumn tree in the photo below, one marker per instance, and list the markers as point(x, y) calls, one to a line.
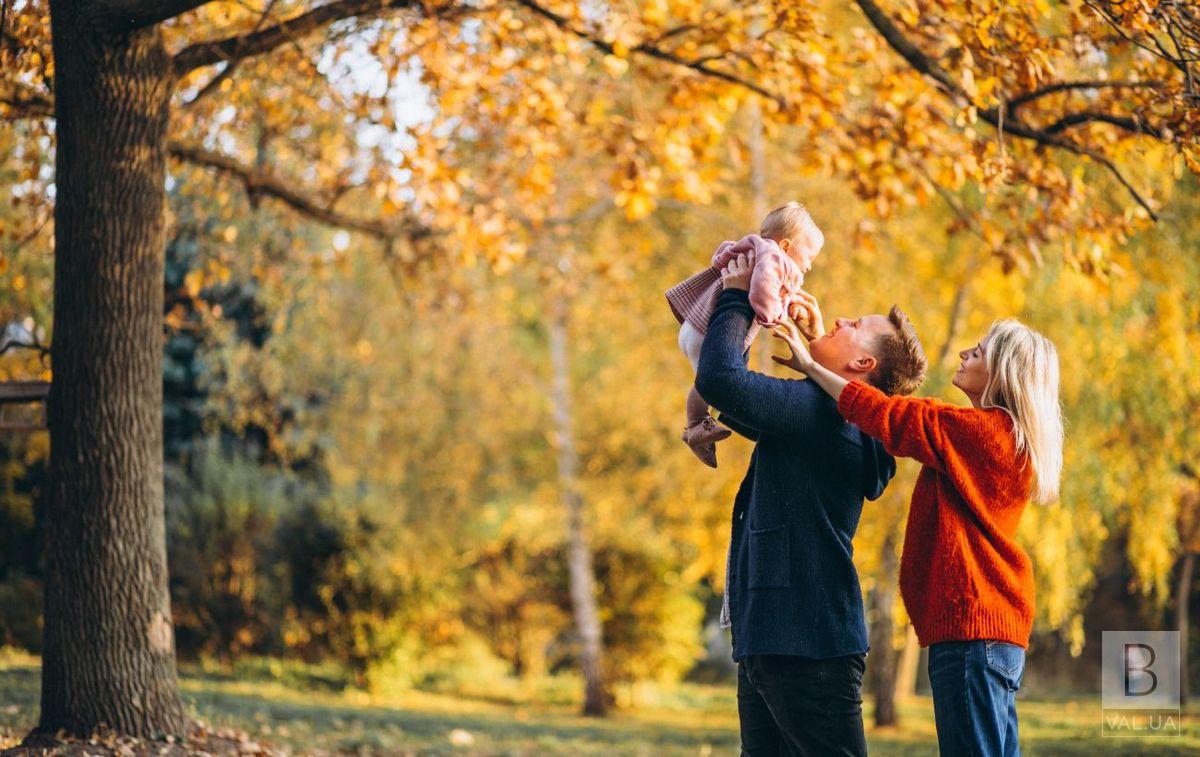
point(1034, 110)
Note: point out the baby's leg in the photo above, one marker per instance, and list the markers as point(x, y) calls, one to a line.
point(690, 341)
point(697, 408)
point(702, 431)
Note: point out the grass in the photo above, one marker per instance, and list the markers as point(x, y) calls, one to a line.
point(307, 710)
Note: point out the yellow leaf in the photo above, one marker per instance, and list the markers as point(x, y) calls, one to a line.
point(968, 82)
point(616, 67)
point(193, 282)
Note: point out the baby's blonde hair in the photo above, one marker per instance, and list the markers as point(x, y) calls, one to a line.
point(1022, 368)
point(792, 221)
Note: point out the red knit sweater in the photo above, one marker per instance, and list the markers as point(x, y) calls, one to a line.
point(962, 574)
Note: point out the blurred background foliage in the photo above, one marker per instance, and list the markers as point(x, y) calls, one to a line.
point(360, 446)
point(360, 468)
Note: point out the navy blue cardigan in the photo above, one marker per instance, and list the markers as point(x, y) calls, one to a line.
point(793, 589)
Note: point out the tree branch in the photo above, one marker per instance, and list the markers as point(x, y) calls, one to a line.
point(1063, 86)
point(1189, 471)
point(649, 49)
point(12, 252)
point(30, 343)
point(1132, 125)
point(926, 66)
point(215, 82)
point(1171, 17)
point(41, 349)
point(907, 50)
point(261, 181)
point(265, 40)
point(137, 14)
point(26, 101)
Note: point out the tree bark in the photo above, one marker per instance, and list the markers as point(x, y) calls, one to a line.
point(906, 671)
point(883, 655)
point(756, 141)
point(579, 551)
point(1183, 593)
point(109, 652)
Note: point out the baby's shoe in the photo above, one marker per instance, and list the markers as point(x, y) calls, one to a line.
point(702, 438)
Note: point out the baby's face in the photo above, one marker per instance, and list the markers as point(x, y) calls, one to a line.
point(802, 251)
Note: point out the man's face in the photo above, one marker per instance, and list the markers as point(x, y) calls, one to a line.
point(849, 345)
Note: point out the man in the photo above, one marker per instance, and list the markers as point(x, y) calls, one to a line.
point(794, 601)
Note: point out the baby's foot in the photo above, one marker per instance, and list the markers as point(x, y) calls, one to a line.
point(702, 437)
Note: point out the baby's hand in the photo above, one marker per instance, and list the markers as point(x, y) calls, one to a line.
point(806, 313)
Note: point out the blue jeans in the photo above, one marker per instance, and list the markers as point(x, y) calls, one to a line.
point(974, 697)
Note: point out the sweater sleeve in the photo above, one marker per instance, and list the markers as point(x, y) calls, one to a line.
point(907, 426)
point(768, 404)
point(736, 425)
point(723, 254)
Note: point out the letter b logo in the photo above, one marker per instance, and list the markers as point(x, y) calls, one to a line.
point(1140, 670)
point(1138, 660)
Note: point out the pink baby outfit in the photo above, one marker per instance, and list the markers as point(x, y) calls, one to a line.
point(774, 282)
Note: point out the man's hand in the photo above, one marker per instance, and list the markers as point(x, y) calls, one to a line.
point(800, 360)
point(736, 275)
point(806, 313)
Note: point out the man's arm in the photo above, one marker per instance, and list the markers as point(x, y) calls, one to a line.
point(770, 405)
point(741, 428)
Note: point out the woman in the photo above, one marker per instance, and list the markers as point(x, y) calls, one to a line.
point(966, 584)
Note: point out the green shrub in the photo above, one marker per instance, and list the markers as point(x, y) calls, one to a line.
point(222, 513)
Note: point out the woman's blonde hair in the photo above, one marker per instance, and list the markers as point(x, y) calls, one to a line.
point(1022, 368)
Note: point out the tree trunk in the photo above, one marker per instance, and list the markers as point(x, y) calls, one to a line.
point(906, 671)
point(109, 651)
point(579, 552)
point(883, 655)
point(1183, 593)
point(758, 191)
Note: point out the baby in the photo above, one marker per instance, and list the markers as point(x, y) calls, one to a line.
point(783, 252)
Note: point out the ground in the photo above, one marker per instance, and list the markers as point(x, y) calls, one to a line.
point(293, 710)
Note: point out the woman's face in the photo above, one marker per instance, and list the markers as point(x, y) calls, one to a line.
point(972, 376)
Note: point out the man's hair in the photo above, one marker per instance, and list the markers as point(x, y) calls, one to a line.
point(791, 221)
point(901, 359)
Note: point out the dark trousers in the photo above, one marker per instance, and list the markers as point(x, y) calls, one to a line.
point(974, 696)
point(799, 706)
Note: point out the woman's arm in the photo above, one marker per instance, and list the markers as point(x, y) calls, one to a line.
point(801, 360)
point(907, 426)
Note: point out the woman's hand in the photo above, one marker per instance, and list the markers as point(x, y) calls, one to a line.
point(736, 275)
point(806, 313)
point(800, 360)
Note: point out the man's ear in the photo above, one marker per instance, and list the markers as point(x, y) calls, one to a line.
point(863, 363)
